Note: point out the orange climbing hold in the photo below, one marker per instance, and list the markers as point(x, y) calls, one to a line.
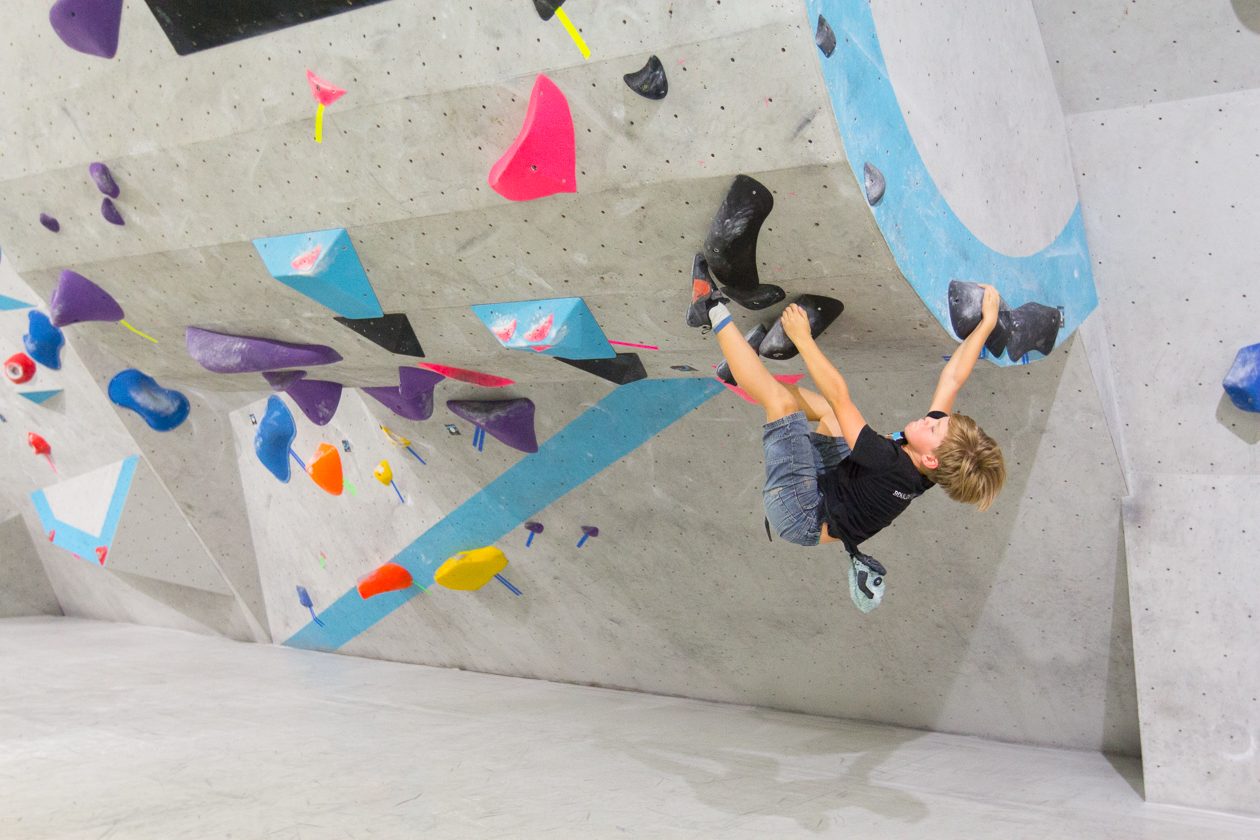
point(388, 578)
point(470, 570)
point(325, 469)
point(542, 160)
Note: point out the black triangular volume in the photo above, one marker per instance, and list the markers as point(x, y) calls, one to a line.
point(547, 8)
point(622, 370)
point(393, 332)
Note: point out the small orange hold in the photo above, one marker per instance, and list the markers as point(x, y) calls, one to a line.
point(325, 469)
point(388, 578)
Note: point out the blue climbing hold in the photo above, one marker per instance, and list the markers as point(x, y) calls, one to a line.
point(1242, 383)
point(162, 408)
point(274, 438)
point(43, 342)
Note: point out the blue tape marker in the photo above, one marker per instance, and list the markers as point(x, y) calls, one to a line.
point(501, 579)
point(605, 433)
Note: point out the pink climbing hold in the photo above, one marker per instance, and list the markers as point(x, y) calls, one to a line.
point(539, 332)
point(505, 330)
point(324, 93)
point(89, 26)
point(542, 160)
point(306, 260)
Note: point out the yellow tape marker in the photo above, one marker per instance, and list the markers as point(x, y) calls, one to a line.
point(319, 123)
point(573, 33)
point(137, 332)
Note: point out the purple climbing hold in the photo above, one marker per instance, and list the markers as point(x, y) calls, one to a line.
point(223, 353)
point(89, 26)
point(318, 398)
point(110, 212)
point(511, 421)
point(49, 222)
point(77, 299)
point(413, 397)
point(104, 179)
point(280, 380)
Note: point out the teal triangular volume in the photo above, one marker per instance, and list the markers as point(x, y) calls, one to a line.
point(7, 302)
point(561, 327)
point(40, 396)
point(324, 266)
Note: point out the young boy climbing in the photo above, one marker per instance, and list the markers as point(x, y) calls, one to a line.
point(821, 489)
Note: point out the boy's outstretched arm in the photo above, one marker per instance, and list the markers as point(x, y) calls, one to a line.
point(964, 359)
point(829, 381)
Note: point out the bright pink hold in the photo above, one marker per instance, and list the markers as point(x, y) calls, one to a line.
point(323, 92)
point(542, 160)
point(472, 377)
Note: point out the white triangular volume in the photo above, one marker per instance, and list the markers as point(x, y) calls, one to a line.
point(83, 501)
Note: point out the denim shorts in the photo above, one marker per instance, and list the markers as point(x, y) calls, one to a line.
point(795, 459)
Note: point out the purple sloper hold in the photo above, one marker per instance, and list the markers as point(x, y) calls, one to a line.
point(110, 212)
point(89, 26)
point(318, 398)
point(77, 299)
point(511, 421)
point(413, 398)
point(280, 380)
point(104, 179)
point(417, 383)
point(223, 353)
point(49, 222)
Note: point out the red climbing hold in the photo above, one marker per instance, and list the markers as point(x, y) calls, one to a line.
point(387, 578)
point(542, 160)
point(101, 551)
point(19, 368)
point(324, 93)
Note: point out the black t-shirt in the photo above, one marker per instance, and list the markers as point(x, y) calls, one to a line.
point(870, 488)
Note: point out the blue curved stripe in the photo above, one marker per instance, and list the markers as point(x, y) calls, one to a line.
point(929, 243)
point(614, 427)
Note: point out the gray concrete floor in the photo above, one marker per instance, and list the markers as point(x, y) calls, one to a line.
point(121, 731)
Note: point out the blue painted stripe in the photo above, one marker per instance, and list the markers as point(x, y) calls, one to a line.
point(608, 431)
point(928, 241)
point(7, 303)
point(39, 397)
point(76, 540)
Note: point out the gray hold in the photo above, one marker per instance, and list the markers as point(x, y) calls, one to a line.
point(873, 181)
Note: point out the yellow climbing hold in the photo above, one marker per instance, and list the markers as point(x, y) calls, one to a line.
point(383, 473)
point(470, 570)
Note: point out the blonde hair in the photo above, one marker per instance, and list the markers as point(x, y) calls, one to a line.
point(970, 467)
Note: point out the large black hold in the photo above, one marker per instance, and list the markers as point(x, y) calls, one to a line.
point(820, 310)
point(824, 37)
point(195, 25)
point(731, 246)
point(758, 297)
point(650, 82)
point(393, 332)
point(754, 337)
point(621, 370)
point(547, 8)
point(965, 301)
point(1034, 326)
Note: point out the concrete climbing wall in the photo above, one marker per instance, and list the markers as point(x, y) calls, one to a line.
point(1013, 624)
point(1163, 110)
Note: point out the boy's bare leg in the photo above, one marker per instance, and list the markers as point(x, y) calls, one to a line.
point(753, 376)
point(817, 409)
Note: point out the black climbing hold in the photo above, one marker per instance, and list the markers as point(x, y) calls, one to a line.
point(824, 37)
point(393, 332)
point(621, 370)
point(547, 8)
point(754, 337)
point(759, 297)
point(820, 310)
point(965, 301)
point(874, 184)
point(1034, 326)
point(731, 246)
point(650, 82)
point(195, 25)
